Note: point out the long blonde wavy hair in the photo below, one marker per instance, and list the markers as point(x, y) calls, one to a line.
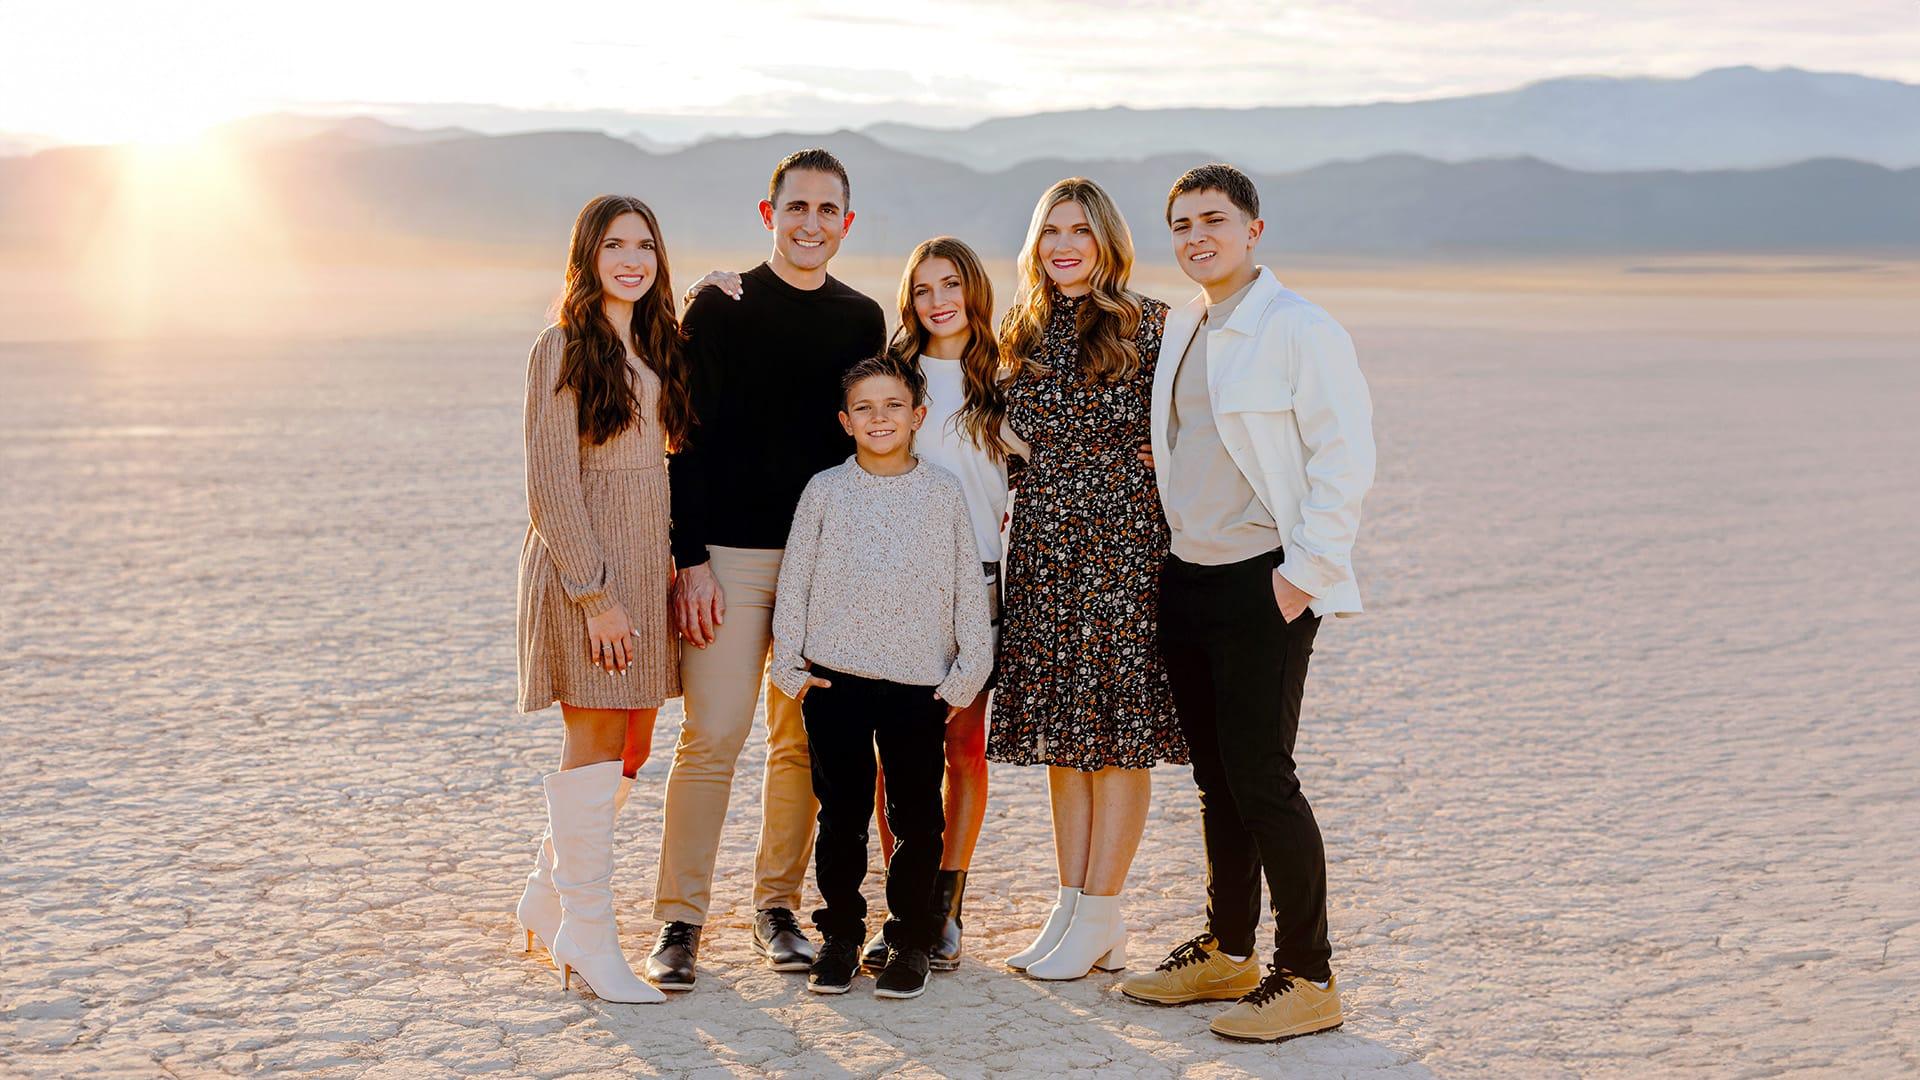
point(1111, 314)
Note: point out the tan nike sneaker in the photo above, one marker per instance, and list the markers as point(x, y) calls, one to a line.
point(1196, 971)
point(1283, 1006)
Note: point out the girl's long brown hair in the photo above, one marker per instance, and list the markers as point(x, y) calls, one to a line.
point(594, 361)
point(979, 418)
point(1107, 320)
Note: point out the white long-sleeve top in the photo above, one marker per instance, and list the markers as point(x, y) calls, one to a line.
point(881, 578)
point(942, 442)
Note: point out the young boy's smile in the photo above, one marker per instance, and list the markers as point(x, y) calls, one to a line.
point(881, 417)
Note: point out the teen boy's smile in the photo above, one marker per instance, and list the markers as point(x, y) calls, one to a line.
point(881, 417)
point(1214, 240)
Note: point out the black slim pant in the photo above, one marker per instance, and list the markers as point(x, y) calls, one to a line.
point(844, 723)
point(1238, 670)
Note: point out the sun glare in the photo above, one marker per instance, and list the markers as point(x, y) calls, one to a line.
point(188, 222)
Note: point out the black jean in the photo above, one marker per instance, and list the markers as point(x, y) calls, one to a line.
point(844, 723)
point(1238, 670)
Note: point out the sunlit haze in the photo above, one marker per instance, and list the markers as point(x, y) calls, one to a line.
point(118, 70)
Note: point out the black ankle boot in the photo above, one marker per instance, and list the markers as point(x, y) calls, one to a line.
point(947, 890)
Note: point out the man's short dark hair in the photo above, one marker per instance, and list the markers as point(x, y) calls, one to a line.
point(907, 371)
point(1221, 177)
point(814, 158)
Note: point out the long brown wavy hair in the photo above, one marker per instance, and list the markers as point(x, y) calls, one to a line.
point(980, 368)
point(1107, 320)
point(594, 362)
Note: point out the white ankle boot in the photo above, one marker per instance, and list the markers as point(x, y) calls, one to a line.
point(539, 908)
point(1051, 932)
point(1097, 938)
point(580, 808)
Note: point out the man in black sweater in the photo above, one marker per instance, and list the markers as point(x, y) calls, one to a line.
point(765, 376)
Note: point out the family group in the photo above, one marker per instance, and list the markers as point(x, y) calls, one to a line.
point(1098, 536)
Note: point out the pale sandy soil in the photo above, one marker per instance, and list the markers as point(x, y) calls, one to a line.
point(1618, 776)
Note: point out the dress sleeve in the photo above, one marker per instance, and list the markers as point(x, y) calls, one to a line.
point(554, 499)
point(788, 671)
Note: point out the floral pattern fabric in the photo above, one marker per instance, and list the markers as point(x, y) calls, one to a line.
point(1081, 680)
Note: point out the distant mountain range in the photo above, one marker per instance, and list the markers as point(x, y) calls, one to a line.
point(1730, 118)
point(370, 183)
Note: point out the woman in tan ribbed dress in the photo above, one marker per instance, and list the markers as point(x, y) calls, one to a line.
point(606, 394)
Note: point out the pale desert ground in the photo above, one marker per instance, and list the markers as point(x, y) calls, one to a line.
point(1619, 774)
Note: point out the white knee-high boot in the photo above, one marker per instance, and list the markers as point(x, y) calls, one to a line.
point(1050, 932)
point(580, 809)
point(539, 907)
point(1097, 938)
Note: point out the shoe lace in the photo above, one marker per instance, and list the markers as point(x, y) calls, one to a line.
point(781, 921)
point(1276, 983)
point(1192, 951)
point(677, 933)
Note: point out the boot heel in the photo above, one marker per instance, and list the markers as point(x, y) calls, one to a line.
point(1115, 959)
point(566, 977)
point(529, 941)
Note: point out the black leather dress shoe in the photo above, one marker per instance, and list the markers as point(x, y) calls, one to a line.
point(671, 965)
point(777, 936)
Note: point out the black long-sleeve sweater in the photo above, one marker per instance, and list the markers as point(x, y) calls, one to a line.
point(765, 380)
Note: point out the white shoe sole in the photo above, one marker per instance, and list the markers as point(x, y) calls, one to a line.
point(899, 995)
point(818, 989)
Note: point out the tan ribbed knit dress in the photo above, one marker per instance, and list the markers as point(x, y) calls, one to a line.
point(598, 536)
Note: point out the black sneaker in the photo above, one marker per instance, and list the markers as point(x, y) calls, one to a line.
point(905, 975)
point(833, 970)
point(777, 936)
point(671, 965)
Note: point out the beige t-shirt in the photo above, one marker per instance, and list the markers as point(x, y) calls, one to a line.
point(1215, 516)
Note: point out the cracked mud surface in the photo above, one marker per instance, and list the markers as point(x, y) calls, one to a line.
point(1617, 776)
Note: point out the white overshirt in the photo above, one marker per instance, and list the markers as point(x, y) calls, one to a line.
point(1294, 414)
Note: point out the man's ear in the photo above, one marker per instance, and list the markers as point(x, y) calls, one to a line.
point(766, 214)
point(846, 223)
point(1258, 226)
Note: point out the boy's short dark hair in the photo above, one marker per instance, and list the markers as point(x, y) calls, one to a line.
point(815, 158)
point(1221, 177)
point(907, 371)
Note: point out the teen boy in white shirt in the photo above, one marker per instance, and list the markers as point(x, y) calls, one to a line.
point(1263, 450)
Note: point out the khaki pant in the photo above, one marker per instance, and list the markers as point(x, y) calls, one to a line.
point(722, 684)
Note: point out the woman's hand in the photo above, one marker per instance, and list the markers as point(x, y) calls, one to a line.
point(725, 280)
point(610, 639)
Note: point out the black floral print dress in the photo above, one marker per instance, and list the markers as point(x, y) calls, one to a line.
point(1082, 684)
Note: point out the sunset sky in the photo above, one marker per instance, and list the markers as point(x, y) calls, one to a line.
point(120, 70)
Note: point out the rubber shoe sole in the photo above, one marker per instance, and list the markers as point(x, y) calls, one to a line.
point(1277, 1038)
point(900, 995)
point(826, 988)
point(791, 965)
point(1226, 994)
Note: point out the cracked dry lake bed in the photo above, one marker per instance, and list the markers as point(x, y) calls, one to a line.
point(1618, 775)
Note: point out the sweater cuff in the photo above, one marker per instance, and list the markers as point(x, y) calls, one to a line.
point(960, 687)
point(790, 680)
point(598, 602)
point(688, 556)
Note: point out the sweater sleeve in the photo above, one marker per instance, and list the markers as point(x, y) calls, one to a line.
point(788, 671)
point(1335, 414)
point(972, 622)
point(689, 468)
point(554, 500)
